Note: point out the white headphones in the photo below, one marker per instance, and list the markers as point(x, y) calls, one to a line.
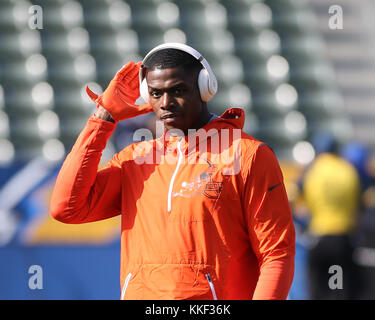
point(207, 82)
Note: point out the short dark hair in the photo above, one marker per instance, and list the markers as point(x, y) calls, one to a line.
point(172, 58)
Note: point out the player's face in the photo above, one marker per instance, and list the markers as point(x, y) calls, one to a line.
point(175, 97)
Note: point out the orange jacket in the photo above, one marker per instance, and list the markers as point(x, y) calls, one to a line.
point(209, 229)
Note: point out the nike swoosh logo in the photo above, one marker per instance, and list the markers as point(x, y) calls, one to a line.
point(271, 188)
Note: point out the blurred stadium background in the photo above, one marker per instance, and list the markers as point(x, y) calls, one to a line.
point(277, 59)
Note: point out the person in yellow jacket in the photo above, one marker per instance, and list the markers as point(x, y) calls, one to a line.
point(331, 191)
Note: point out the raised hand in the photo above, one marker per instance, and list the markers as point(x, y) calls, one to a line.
point(122, 92)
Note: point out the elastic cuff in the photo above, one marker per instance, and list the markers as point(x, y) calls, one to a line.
point(103, 123)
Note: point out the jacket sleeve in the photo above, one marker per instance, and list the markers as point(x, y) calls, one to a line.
point(82, 193)
point(270, 225)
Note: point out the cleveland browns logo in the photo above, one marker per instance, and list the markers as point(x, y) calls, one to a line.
point(212, 188)
point(204, 184)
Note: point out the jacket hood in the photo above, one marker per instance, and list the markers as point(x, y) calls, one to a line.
point(233, 118)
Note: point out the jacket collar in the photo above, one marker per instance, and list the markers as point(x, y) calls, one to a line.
point(233, 118)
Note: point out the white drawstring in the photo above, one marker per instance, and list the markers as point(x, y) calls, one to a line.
point(180, 157)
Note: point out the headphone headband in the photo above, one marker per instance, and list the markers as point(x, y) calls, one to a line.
point(175, 45)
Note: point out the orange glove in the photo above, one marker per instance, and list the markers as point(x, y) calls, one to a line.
point(122, 92)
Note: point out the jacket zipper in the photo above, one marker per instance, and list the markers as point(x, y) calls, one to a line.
point(125, 285)
point(180, 157)
point(212, 287)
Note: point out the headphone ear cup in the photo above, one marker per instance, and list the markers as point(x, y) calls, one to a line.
point(203, 85)
point(207, 84)
point(143, 90)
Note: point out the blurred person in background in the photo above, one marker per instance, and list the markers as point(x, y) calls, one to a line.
point(367, 219)
point(359, 155)
point(331, 190)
